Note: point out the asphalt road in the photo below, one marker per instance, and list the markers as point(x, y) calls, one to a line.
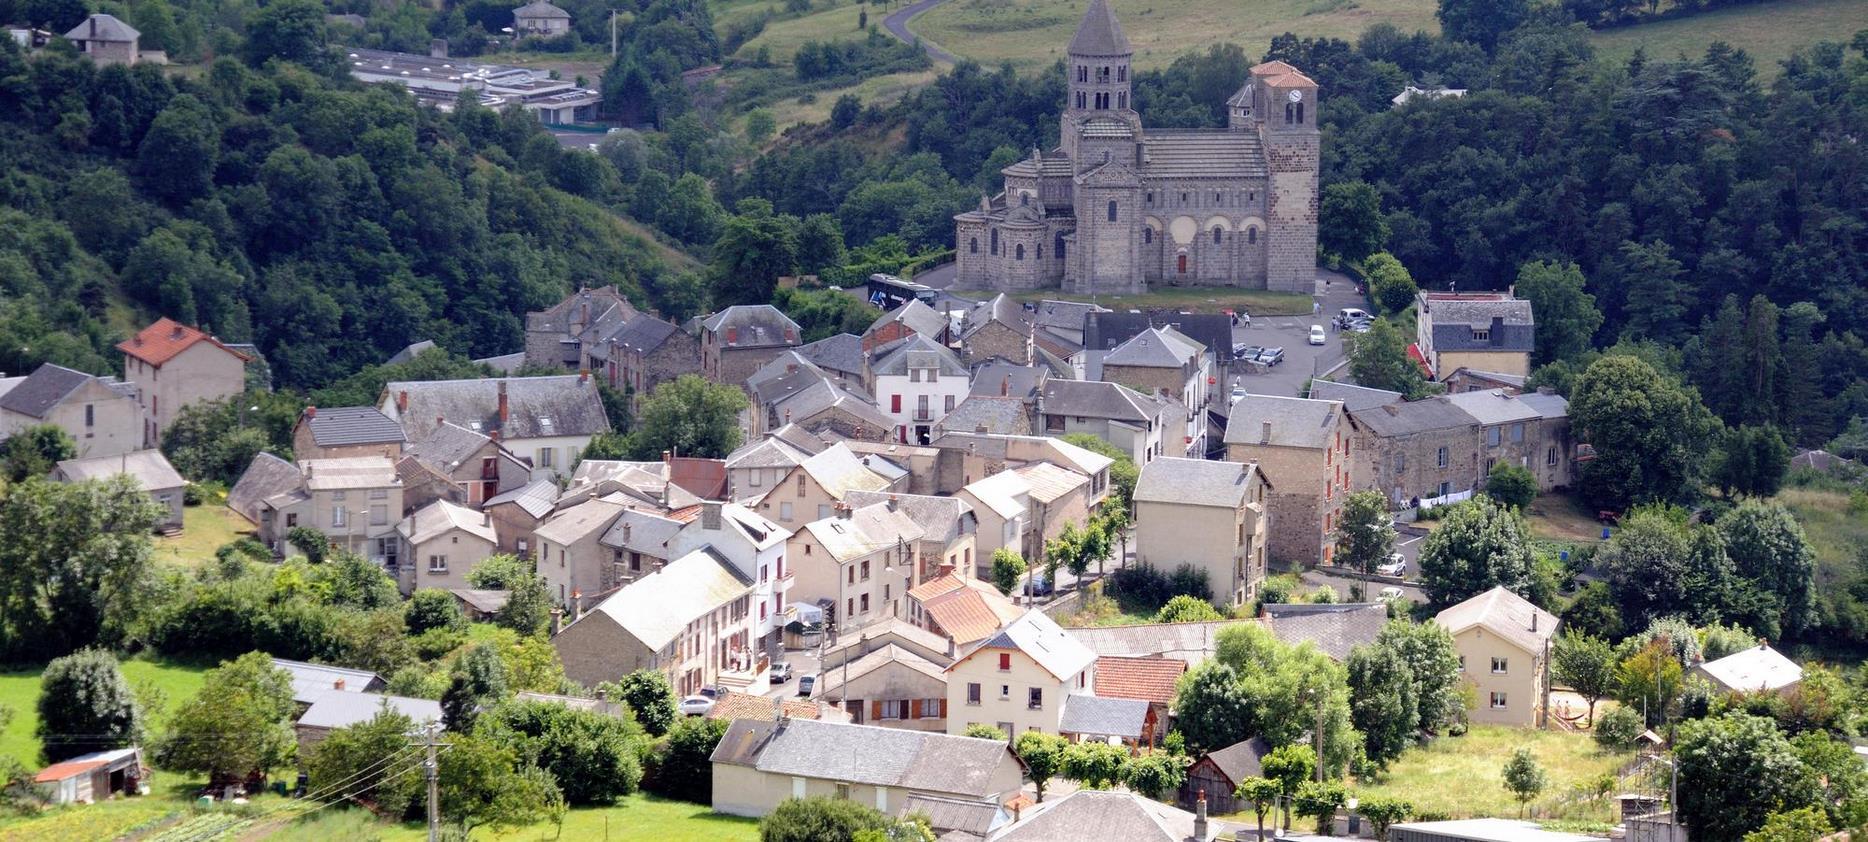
point(897, 25)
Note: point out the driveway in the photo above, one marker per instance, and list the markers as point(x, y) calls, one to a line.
point(897, 25)
point(1302, 360)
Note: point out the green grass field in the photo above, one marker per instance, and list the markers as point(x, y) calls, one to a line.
point(1770, 32)
point(1834, 532)
point(1192, 299)
point(1461, 776)
point(638, 818)
point(19, 691)
point(205, 528)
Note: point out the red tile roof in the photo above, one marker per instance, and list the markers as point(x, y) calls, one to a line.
point(69, 768)
point(964, 616)
point(160, 342)
point(732, 706)
point(1147, 679)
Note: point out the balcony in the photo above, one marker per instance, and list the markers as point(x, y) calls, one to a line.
point(924, 415)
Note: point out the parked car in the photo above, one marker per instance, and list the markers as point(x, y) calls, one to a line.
point(1359, 327)
point(1389, 594)
point(1395, 566)
point(806, 684)
point(697, 705)
point(1040, 585)
point(709, 691)
point(1237, 393)
point(1352, 314)
point(1317, 336)
point(1271, 356)
point(1246, 352)
point(781, 672)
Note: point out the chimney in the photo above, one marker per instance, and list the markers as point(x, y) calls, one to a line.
point(402, 401)
point(311, 412)
point(577, 605)
point(1264, 433)
point(710, 514)
point(894, 500)
point(1199, 817)
point(93, 23)
point(945, 568)
point(504, 409)
point(438, 48)
point(626, 531)
point(337, 685)
point(177, 332)
point(557, 620)
point(486, 518)
point(1005, 386)
point(843, 511)
point(1533, 620)
point(1497, 336)
point(666, 457)
point(788, 416)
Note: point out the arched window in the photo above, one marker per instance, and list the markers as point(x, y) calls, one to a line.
point(1251, 236)
point(1083, 73)
point(995, 241)
point(1287, 113)
point(1057, 247)
point(1024, 199)
point(1300, 113)
point(1122, 99)
point(1215, 235)
point(1122, 73)
point(1148, 235)
point(1018, 252)
point(1040, 251)
point(972, 246)
point(1112, 211)
point(1079, 99)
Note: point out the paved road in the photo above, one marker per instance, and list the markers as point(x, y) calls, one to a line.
point(897, 25)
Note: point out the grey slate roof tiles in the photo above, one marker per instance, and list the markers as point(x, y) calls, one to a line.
point(339, 426)
point(43, 389)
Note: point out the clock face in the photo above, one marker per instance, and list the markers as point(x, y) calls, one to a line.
point(1297, 96)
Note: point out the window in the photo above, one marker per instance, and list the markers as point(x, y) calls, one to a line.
point(1005, 692)
point(437, 564)
point(1058, 247)
point(1500, 666)
point(1216, 235)
point(1083, 73)
point(1498, 701)
point(379, 516)
point(1440, 458)
point(337, 495)
point(544, 457)
point(379, 494)
point(995, 241)
point(1517, 433)
point(1018, 252)
point(755, 477)
point(972, 245)
point(339, 516)
point(1035, 699)
point(1251, 236)
point(865, 570)
point(949, 406)
point(1550, 456)
point(1122, 73)
point(1400, 463)
point(1122, 99)
point(930, 708)
point(895, 709)
point(972, 693)
point(1481, 334)
point(1148, 235)
point(843, 792)
point(784, 512)
point(800, 489)
point(1005, 662)
point(1300, 113)
point(1491, 436)
point(90, 415)
point(1112, 211)
point(1288, 112)
point(1102, 75)
point(1080, 99)
point(849, 575)
point(849, 606)
point(1462, 663)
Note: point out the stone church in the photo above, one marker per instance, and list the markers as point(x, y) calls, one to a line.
point(1117, 208)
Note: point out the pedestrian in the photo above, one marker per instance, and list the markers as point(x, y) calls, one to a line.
point(1316, 307)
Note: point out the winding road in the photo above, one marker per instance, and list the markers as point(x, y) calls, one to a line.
point(897, 25)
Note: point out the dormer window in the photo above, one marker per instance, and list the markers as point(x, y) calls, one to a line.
point(1481, 334)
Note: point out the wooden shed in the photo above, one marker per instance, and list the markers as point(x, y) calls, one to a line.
point(1219, 773)
point(92, 777)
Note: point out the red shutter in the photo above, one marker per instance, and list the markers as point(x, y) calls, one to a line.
point(875, 710)
point(914, 709)
point(943, 708)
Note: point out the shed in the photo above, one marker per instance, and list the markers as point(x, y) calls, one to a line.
point(1219, 773)
point(92, 777)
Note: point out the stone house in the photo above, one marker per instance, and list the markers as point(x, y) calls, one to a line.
point(1531, 431)
point(947, 524)
point(175, 366)
point(460, 466)
point(151, 471)
point(966, 457)
point(559, 336)
point(859, 561)
point(354, 501)
point(576, 567)
point(825, 408)
point(998, 329)
point(441, 542)
point(916, 383)
point(921, 464)
point(1160, 361)
point(1418, 450)
point(1064, 319)
point(691, 621)
point(335, 432)
point(517, 513)
point(1140, 425)
point(1059, 497)
point(889, 688)
point(546, 420)
point(812, 490)
point(102, 416)
point(1018, 680)
point(760, 465)
point(737, 341)
point(1303, 448)
point(1005, 416)
point(1504, 655)
point(1211, 515)
point(1484, 331)
point(760, 764)
point(841, 356)
point(639, 543)
point(542, 19)
point(643, 354)
point(1105, 330)
point(106, 40)
point(913, 318)
point(755, 547)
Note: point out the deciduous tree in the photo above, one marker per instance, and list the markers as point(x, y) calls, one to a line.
point(85, 706)
point(1365, 534)
point(236, 727)
point(1043, 755)
point(1478, 546)
point(1524, 777)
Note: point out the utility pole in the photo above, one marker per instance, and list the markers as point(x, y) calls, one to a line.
point(434, 783)
point(612, 33)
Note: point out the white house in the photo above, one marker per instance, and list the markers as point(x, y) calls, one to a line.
point(1018, 679)
point(755, 548)
point(916, 383)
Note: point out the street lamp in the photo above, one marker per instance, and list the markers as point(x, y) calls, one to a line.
point(1355, 824)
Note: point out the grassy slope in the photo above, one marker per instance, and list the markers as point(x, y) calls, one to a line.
point(205, 528)
point(1833, 531)
point(833, 21)
point(1770, 32)
point(20, 692)
point(1462, 776)
point(638, 818)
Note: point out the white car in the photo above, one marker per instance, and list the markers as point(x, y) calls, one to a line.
point(1316, 335)
point(1389, 594)
point(1237, 393)
point(1395, 566)
point(696, 705)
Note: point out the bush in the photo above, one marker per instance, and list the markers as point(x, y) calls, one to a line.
point(1187, 609)
point(1511, 485)
point(85, 706)
point(820, 819)
point(1154, 775)
point(310, 541)
point(1619, 728)
point(648, 694)
point(594, 756)
point(683, 769)
point(1145, 587)
point(433, 608)
point(985, 732)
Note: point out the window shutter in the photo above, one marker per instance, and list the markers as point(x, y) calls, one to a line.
point(943, 708)
point(875, 709)
point(914, 709)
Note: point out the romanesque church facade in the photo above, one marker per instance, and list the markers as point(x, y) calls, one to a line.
point(1117, 208)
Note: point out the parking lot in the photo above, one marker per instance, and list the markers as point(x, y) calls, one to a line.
point(1302, 360)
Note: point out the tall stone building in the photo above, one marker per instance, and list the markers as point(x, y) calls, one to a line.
point(1116, 208)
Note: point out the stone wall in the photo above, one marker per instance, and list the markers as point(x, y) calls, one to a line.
point(1409, 466)
point(997, 340)
point(1291, 254)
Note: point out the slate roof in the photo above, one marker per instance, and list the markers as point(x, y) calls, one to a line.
point(536, 497)
point(1335, 629)
point(1156, 347)
point(1504, 614)
point(841, 353)
point(963, 817)
point(413, 350)
point(838, 471)
point(163, 340)
point(1092, 814)
point(767, 452)
point(504, 363)
point(1757, 668)
point(1295, 422)
point(1354, 398)
point(43, 389)
point(1007, 380)
point(573, 523)
point(537, 407)
point(309, 681)
point(338, 710)
point(644, 333)
point(1494, 406)
point(918, 352)
point(1050, 483)
point(441, 517)
point(483, 600)
point(1106, 717)
point(753, 326)
point(833, 679)
point(1103, 331)
point(1099, 33)
point(540, 9)
point(1194, 482)
point(1509, 322)
point(339, 426)
point(1403, 419)
point(349, 472)
point(102, 27)
point(823, 395)
point(1042, 640)
point(1203, 154)
point(1098, 399)
point(916, 315)
point(267, 477)
point(1000, 492)
point(891, 627)
point(656, 608)
point(1546, 405)
point(940, 518)
point(1188, 642)
point(1064, 315)
point(1148, 679)
point(1241, 760)
point(866, 530)
point(987, 414)
point(1000, 308)
point(861, 754)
